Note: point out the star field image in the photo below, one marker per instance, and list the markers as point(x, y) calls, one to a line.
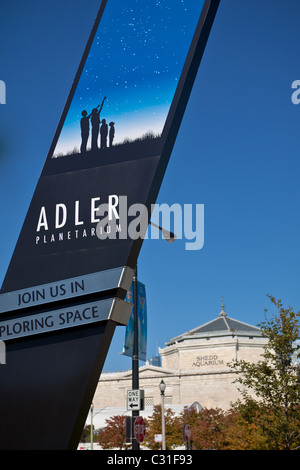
point(135, 61)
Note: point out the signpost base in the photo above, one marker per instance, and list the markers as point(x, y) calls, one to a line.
point(47, 386)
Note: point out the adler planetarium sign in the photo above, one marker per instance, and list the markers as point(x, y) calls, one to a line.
point(65, 288)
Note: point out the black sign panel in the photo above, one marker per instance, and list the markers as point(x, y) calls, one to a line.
point(64, 290)
point(113, 141)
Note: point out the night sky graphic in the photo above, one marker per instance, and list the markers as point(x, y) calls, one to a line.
point(135, 61)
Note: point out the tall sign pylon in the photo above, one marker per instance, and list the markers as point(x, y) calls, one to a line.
point(65, 287)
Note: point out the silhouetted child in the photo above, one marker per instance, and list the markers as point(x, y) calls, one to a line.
point(85, 130)
point(111, 133)
point(103, 134)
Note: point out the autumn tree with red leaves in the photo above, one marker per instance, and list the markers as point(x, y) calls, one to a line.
point(113, 436)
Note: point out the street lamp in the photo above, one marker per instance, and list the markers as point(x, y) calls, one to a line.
point(170, 237)
point(162, 388)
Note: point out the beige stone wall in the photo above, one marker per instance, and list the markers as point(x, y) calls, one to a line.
point(193, 370)
point(211, 390)
point(110, 392)
point(113, 392)
point(207, 355)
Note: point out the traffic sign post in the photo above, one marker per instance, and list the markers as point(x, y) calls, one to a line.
point(135, 355)
point(186, 431)
point(139, 429)
point(128, 429)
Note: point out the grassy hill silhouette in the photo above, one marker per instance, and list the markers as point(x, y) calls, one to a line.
point(145, 146)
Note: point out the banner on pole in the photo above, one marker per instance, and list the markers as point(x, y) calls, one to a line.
point(142, 324)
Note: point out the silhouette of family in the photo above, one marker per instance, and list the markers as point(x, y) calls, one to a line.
point(94, 116)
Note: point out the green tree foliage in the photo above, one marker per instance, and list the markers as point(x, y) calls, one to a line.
point(86, 434)
point(154, 426)
point(241, 434)
point(270, 388)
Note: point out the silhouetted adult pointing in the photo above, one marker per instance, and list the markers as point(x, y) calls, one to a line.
point(95, 121)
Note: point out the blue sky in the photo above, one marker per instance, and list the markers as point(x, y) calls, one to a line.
point(237, 152)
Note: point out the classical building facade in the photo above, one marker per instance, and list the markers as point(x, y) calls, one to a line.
point(194, 367)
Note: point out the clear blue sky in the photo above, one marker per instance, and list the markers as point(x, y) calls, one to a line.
point(237, 153)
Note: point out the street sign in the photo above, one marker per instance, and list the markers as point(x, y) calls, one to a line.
point(74, 315)
point(157, 437)
point(186, 433)
point(139, 429)
point(135, 400)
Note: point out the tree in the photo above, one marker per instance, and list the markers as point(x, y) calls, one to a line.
point(207, 427)
point(86, 434)
point(154, 426)
point(240, 433)
point(271, 392)
point(114, 434)
point(190, 416)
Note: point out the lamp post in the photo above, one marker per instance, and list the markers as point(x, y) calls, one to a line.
point(135, 356)
point(170, 237)
point(162, 388)
point(92, 436)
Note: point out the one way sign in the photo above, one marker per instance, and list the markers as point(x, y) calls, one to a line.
point(135, 399)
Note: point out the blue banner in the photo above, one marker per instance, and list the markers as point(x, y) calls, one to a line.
point(142, 324)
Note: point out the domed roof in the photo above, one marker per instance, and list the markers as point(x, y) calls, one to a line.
point(220, 326)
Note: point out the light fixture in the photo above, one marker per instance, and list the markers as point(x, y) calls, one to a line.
point(162, 387)
point(170, 237)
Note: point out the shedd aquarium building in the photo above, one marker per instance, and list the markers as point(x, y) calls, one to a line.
point(194, 367)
